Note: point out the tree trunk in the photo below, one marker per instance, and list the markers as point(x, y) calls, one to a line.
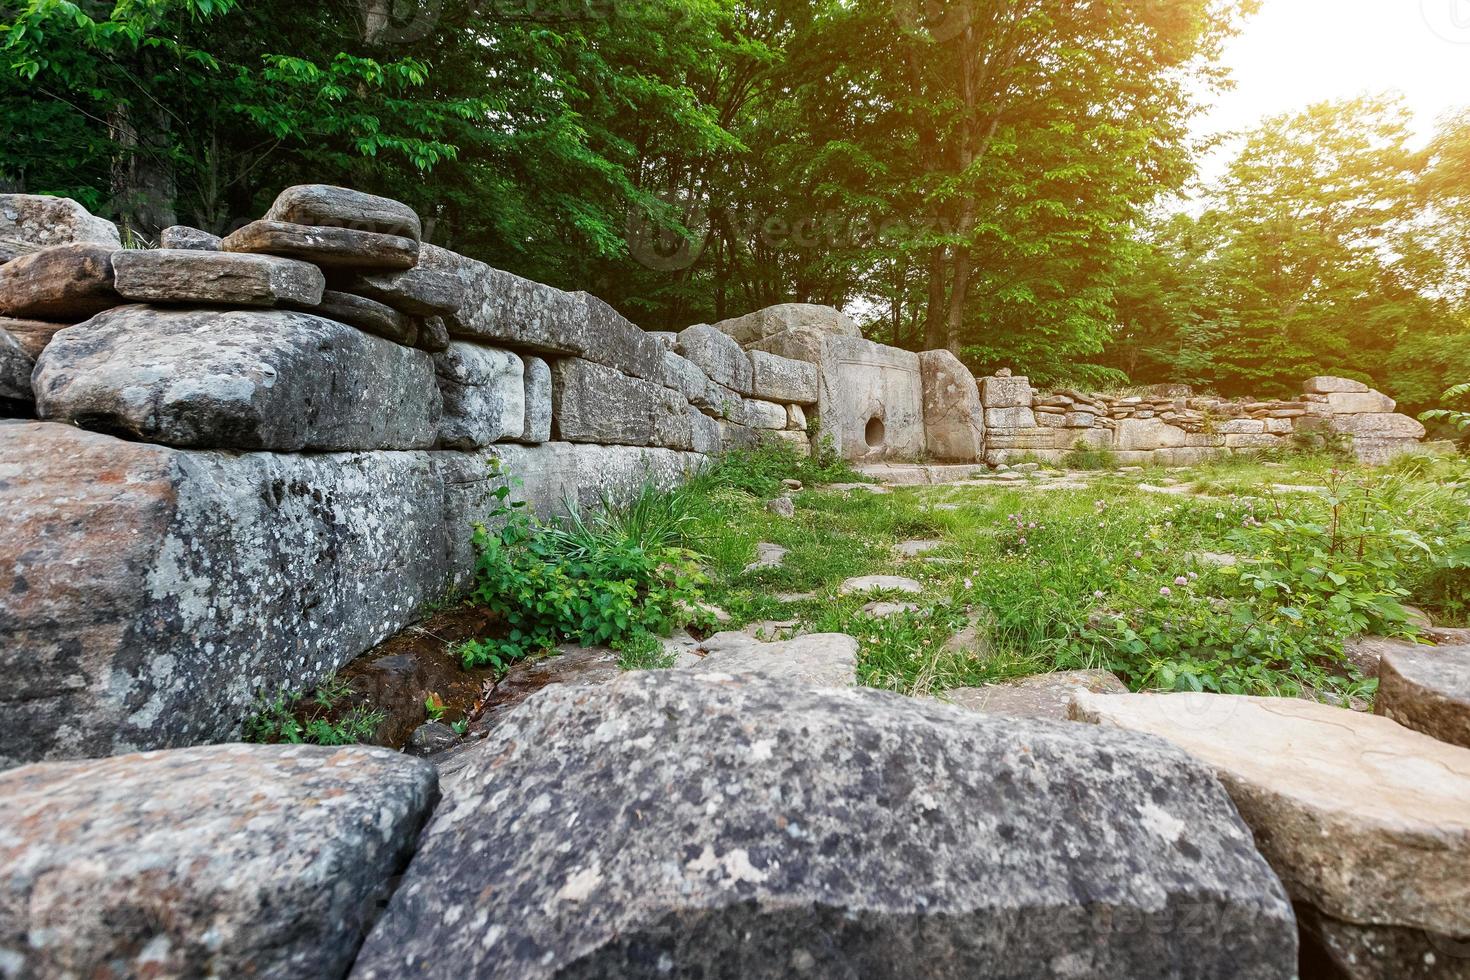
point(144, 187)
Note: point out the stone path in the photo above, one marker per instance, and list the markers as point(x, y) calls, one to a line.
point(880, 583)
point(767, 556)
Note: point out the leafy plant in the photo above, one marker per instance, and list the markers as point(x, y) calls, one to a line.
point(1459, 420)
point(316, 717)
point(1084, 456)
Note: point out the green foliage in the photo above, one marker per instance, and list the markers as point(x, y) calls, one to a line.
point(1084, 456)
point(760, 469)
point(1457, 419)
point(319, 717)
point(617, 578)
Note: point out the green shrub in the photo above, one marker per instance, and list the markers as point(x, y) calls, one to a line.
point(314, 718)
point(760, 470)
point(1085, 457)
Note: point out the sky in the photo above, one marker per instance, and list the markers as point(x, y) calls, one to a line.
point(1296, 52)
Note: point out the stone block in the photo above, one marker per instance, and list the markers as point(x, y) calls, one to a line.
point(1048, 420)
point(773, 320)
point(618, 342)
point(1005, 392)
point(1204, 440)
point(1279, 426)
point(781, 379)
point(324, 205)
point(798, 442)
point(29, 222)
point(432, 335)
point(718, 356)
point(64, 283)
point(795, 417)
point(537, 426)
point(183, 237)
point(227, 861)
point(1377, 452)
point(804, 344)
point(1034, 438)
point(419, 291)
point(851, 833)
point(594, 403)
point(15, 373)
point(1328, 386)
point(1010, 418)
point(550, 474)
point(328, 247)
point(704, 433)
point(673, 426)
point(871, 399)
point(1378, 426)
point(764, 415)
point(238, 379)
point(1260, 441)
point(1360, 403)
point(1242, 427)
point(1148, 434)
point(1427, 689)
point(484, 394)
point(368, 315)
point(954, 420)
point(181, 276)
point(734, 436)
point(1079, 420)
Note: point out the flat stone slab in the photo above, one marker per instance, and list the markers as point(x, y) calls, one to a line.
point(767, 556)
point(687, 824)
point(418, 291)
point(368, 315)
point(913, 549)
point(1038, 696)
point(342, 207)
point(1427, 689)
point(227, 861)
point(222, 278)
point(238, 379)
point(880, 583)
point(336, 248)
point(1362, 818)
point(883, 610)
point(63, 283)
point(814, 660)
point(192, 239)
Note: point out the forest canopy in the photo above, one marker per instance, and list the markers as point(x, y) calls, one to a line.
point(1013, 179)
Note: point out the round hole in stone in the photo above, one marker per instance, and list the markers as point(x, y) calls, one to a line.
point(873, 434)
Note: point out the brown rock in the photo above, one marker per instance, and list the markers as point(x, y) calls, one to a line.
point(366, 315)
point(324, 205)
point(1427, 689)
point(344, 248)
point(31, 222)
point(64, 282)
point(215, 278)
point(433, 335)
point(32, 335)
point(15, 372)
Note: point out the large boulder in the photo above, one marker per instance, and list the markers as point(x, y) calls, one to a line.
point(341, 207)
point(718, 356)
point(782, 379)
point(215, 278)
point(1365, 821)
point(326, 246)
point(773, 320)
point(29, 222)
point(954, 419)
point(717, 827)
point(243, 379)
point(1427, 689)
point(15, 371)
point(484, 393)
point(229, 861)
point(871, 399)
point(64, 282)
point(149, 595)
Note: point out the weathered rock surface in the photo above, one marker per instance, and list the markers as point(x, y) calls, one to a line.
point(433, 335)
point(1327, 386)
point(1006, 392)
point(1379, 426)
point(64, 282)
point(880, 583)
point(1346, 402)
point(378, 319)
point(192, 239)
point(872, 399)
point(593, 403)
point(954, 419)
point(537, 427)
point(718, 356)
point(764, 415)
point(773, 320)
point(226, 861)
point(15, 371)
point(419, 291)
point(618, 342)
point(32, 335)
point(1363, 819)
point(1427, 689)
point(40, 222)
point(781, 379)
point(484, 393)
point(149, 595)
point(683, 376)
point(1040, 696)
point(747, 828)
point(814, 660)
point(342, 207)
point(222, 278)
point(238, 379)
point(329, 247)
point(767, 555)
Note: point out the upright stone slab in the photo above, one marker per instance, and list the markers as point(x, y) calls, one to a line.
point(872, 399)
point(246, 379)
point(29, 222)
point(954, 419)
point(781, 379)
point(149, 596)
point(62, 283)
point(1364, 820)
point(1427, 689)
point(594, 403)
point(182, 276)
point(749, 828)
point(537, 425)
point(484, 393)
point(718, 356)
point(228, 861)
point(342, 207)
point(1006, 392)
point(329, 247)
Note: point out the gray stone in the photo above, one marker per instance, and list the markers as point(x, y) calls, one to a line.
point(1368, 426)
point(781, 379)
point(537, 427)
point(1427, 689)
point(550, 474)
point(433, 335)
point(872, 399)
point(1011, 418)
point(1263, 441)
point(215, 278)
point(764, 415)
point(682, 375)
point(796, 418)
point(917, 547)
point(329, 247)
point(1006, 392)
point(246, 379)
point(1377, 452)
point(367, 315)
point(883, 610)
point(32, 335)
point(954, 420)
point(814, 660)
point(718, 356)
point(63, 282)
point(734, 436)
point(1242, 427)
point(506, 310)
point(781, 507)
point(705, 433)
point(189, 239)
point(617, 342)
point(484, 392)
point(418, 291)
point(667, 339)
point(149, 595)
point(1364, 820)
point(880, 583)
point(748, 828)
point(594, 403)
point(804, 344)
point(1361, 403)
point(1327, 386)
point(773, 320)
point(431, 737)
point(15, 371)
point(767, 556)
point(227, 861)
point(29, 222)
point(1038, 696)
point(324, 205)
